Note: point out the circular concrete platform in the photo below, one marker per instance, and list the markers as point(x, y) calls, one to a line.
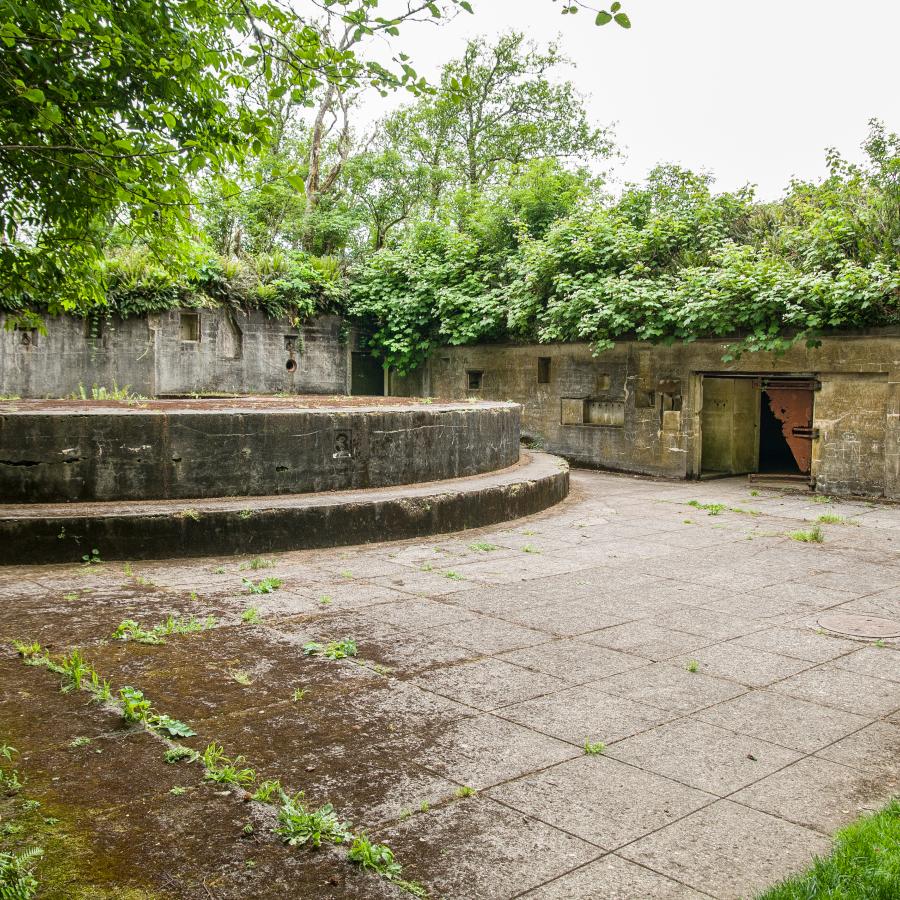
point(58, 451)
point(33, 533)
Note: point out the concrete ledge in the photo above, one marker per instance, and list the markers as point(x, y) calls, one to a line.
point(65, 451)
point(39, 533)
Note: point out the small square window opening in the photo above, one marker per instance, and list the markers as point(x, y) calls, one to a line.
point(473, 380)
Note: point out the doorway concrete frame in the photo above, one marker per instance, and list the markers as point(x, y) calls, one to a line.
point(695, 393)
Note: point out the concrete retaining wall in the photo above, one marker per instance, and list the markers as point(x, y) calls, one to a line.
point(647, 400)
point(52, 452)
point(152, 355)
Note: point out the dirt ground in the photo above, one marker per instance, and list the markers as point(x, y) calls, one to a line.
point(737, 732)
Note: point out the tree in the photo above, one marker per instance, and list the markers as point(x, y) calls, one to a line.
point(389, 188)
point(109, 107)
point(496, 109)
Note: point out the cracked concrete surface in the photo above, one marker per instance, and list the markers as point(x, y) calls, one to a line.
point(738, 733)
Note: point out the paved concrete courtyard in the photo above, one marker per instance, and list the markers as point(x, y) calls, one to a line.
point(738, 733)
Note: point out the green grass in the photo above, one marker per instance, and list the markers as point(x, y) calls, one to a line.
point(833, 519)
point(864, 864)
point(813, 536)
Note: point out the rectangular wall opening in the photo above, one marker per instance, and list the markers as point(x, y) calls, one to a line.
point(190, 327)
point(474, 380)
point(543, 370)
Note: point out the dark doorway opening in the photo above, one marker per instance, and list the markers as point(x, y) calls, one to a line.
point(774, 453)
point(366, 375)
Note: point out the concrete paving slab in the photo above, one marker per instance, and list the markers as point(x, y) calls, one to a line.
point(754, 668)
point(671, 688)
point(788, 721)
point(613, 878)
point(646, 638)
point(879, 662)
point(728, 850)
point(488, 683)
point(799, 643)
point(703, 756)
point(818, 793)
point(601, 799)
point(515, 851)
point(485, 750)
point(873, 749)
point(585, 713)
point(573, 660)
point(486, 635)
point(831, 686)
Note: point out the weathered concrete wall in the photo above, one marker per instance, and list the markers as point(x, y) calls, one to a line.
point(646, 401)
point(235, 353)
point(50, 453)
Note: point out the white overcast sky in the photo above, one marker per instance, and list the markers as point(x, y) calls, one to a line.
point(751, 91)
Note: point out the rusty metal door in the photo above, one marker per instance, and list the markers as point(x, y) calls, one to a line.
point(791, 402)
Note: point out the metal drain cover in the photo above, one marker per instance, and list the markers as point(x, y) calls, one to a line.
point(855, 625)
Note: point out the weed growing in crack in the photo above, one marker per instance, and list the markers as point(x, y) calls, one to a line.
point(424, 806)
point(178, 754)
point(32, 654)
point(250, 616)
point(333, 649)
point(483, 547)
point(269, 791)
point(256, 564)
point(245, 514)
point(219, 769)
point(712, 509)
point(172, 727)
point(821, 498)
point(298, 825)
point(74, 669)
point(692, 665)
point(135, 706)
point(241, 677)
point(130, 630)
point(79, 742)
point(17, 878)
point(379, 858)
point(188, 513)
point(325, 601)
point(833, 519)
point(299, 694)
point(177, 791)
point(92, 558)
point(594, 748)
point(813, 536)
point(127, 570)
point(6, 751)
point(465, 791)
point(10, 783)
point(528, 548)
point(263, 586)
point(451, 574)
point(346, 573)
point(72, 596)
point(219, 570)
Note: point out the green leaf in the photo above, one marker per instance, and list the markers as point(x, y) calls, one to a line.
point(296, 182)
point(603, 18)
point(35, 95)
point(169, 119)
point(623, 20)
